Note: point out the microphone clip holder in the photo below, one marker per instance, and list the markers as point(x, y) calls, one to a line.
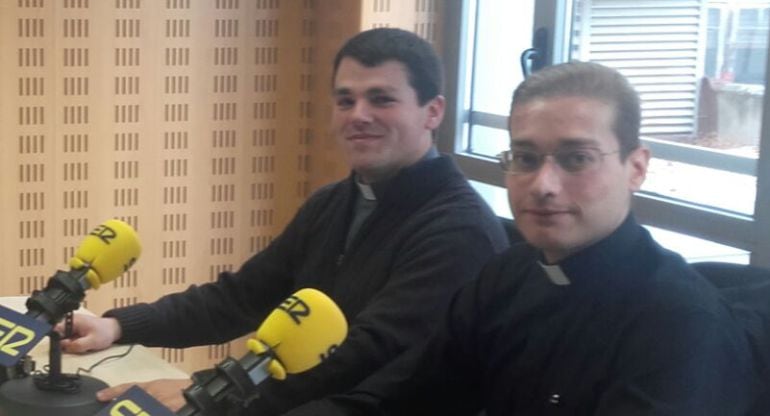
point(231, 385)
point(62, 295)
point(238, 385)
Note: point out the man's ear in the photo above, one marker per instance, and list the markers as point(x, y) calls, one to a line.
point(636, 164)
point(435, 107)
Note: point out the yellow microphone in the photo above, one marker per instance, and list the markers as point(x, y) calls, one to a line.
point(299, 334)
point(106, 252)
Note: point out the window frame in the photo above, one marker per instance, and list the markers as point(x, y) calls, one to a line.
point(747, 232)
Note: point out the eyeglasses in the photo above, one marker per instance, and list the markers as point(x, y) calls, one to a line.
point(572, 160)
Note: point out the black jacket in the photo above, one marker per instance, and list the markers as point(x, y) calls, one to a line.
point(635, 332)
point(429, 233)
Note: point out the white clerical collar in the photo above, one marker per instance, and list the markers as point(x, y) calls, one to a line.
point(366, 191)
point(555, 274)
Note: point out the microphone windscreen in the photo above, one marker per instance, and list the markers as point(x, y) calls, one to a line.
point(108, 251)
point(303, 330)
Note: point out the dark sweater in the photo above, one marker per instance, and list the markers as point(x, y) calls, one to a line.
point(429, 234)
point(635, 332)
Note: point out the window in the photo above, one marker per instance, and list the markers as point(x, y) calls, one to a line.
point(699, 67)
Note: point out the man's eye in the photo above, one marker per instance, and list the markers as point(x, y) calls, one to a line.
point(344, 102)
point(525, 160)
point(381, 100)
point(578, 159)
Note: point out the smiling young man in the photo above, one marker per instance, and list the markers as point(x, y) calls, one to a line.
point(389, 244)
point(590, 316)
point(382, 123)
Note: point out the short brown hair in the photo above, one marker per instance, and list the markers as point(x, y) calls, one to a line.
point(376, 46)
point(588, 80)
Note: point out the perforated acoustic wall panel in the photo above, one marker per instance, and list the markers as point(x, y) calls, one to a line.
point(203, 123)
point(418, 16)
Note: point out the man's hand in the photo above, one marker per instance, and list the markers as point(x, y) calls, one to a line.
point(90, 333)
point(167, 391)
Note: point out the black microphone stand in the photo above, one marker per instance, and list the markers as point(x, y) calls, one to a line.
point(52, 393)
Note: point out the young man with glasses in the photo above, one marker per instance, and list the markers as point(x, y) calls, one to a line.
point(590, 316)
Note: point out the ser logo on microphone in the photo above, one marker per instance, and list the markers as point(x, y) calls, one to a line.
point(105, 233)
point(9, 341)
point(296, 308)
point(108, 235)
point(127, 407)
point(135, 402)
point(18, 335)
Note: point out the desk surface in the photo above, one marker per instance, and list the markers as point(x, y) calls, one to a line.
point(139, 365)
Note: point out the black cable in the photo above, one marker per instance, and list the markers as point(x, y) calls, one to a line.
point(69, 383)
point(91, 368)
point(100, 362)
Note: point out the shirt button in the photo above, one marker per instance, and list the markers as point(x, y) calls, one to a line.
point(554, 399)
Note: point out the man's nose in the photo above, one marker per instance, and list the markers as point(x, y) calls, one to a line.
point(547, 178)
point(361, 112)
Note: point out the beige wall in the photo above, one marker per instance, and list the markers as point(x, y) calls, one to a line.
point(203, 123)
